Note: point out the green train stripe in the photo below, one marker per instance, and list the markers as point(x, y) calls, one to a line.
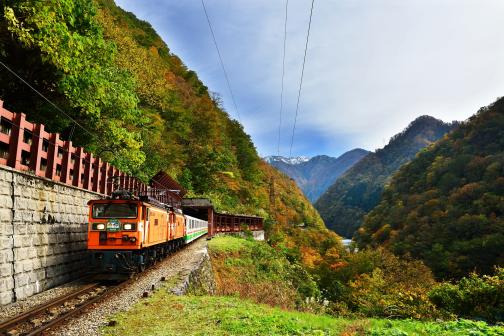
point(196, 234)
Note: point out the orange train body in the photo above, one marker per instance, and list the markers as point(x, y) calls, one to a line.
point(149, 225)
point(124, 236)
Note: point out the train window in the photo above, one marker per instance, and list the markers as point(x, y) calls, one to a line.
point(115, 210)
point(156, 221)
point(147, 214)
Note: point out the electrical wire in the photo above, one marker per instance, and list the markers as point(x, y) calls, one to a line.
point(283, 76)
point(221, 61)
point(44, 97)
point(84, 160)
point(301, 81)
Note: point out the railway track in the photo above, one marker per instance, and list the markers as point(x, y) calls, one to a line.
point(48, 315)
point(42, 318)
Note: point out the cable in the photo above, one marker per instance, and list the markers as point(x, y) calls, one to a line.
point(221, 61)
point(301, 81)
point(73, 120)
point(84, 160)
point(283, 75)
point(46, 99)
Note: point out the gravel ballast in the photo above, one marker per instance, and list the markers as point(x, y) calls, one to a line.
point(180, 263)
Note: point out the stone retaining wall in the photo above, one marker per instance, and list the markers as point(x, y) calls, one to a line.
point(199, 278)
point(43, 232)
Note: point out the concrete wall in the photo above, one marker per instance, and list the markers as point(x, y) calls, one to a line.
point(43, 228)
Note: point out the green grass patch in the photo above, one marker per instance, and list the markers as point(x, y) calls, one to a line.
point(229, 244)
point(385, 327)
point(166, 314)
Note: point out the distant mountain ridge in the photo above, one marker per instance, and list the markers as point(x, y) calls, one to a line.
point(315, 175)
point(359, 190)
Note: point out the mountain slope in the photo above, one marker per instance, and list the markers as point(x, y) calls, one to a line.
point(145, 109)
point(345, 203)
point(447, 205)
point(315, 175)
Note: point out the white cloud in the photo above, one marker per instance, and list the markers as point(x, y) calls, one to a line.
point(373, 66)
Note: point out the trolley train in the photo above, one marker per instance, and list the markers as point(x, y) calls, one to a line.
point(127, 234)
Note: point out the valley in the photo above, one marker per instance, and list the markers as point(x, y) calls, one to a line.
point(101, 96)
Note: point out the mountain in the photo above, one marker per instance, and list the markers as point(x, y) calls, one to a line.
point(345, 203)
point(128, 99)
point(446, 206)
point(315, 175)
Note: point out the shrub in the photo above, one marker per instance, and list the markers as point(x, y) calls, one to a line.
point(377, 283)
point(475, 297)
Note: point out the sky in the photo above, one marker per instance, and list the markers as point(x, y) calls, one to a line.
point(372, 66)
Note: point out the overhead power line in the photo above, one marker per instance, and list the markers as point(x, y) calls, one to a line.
point(221, 61)
point(46, 99)
point(283, 76)
point(301, 81)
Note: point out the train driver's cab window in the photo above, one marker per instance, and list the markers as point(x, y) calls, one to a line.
point(115, 210)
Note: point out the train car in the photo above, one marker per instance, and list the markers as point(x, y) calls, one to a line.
point(195, 228)
point(127, 235)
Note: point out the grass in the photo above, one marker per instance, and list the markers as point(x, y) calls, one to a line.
point(252, 270)
point(230, 244)
point(166, 314)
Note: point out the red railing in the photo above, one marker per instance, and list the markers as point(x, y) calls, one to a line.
point(26, 146)
point(235, 223)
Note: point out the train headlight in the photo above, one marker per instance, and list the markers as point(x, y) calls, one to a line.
point(98, 226)
point(129, 226)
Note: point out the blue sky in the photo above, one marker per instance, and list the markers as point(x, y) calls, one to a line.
point(373, 66)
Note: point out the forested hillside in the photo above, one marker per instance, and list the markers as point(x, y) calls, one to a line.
point(144, 110)
point(354, 194)
point(317, 174)
point(447, 205)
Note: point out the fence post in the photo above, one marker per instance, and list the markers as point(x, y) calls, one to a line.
point(52, 154)
point(65, 163)
point(96, 174)
point(78, 171)
point(15, 141)
point(103, 178)
point(36, 149)
point(88, 171)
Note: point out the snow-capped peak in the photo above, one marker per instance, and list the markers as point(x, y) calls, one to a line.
point(292, 160)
